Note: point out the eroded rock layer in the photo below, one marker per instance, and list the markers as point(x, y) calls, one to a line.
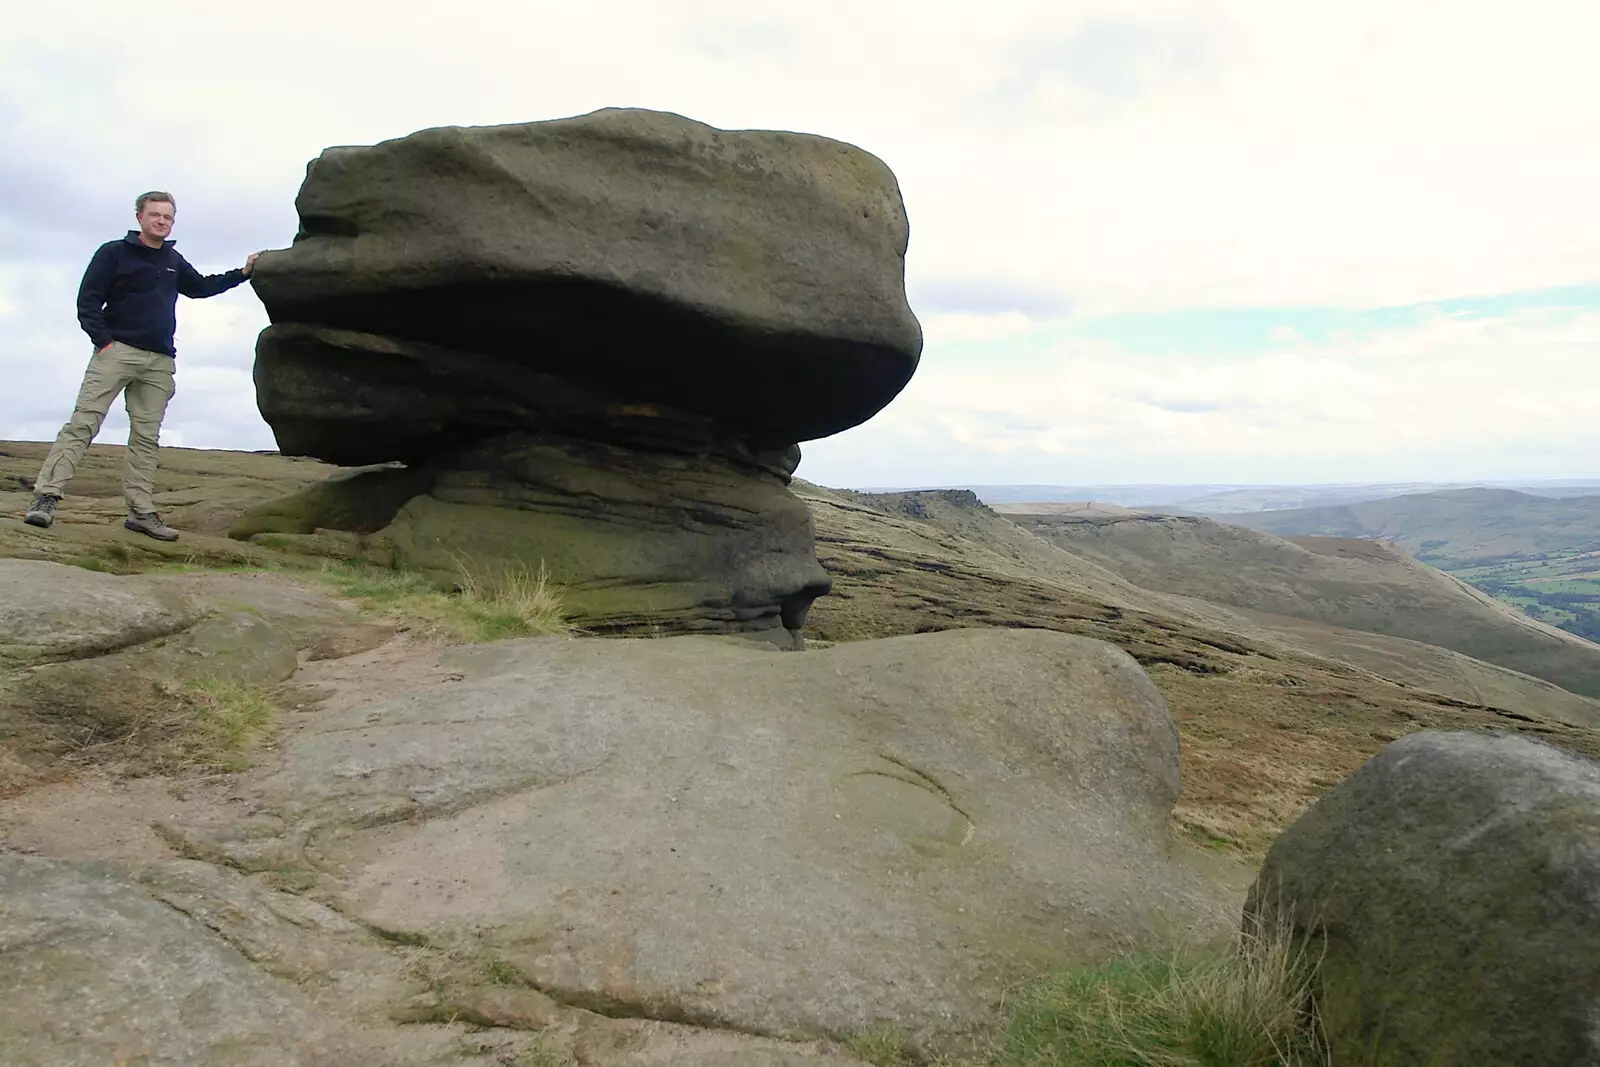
point(597, 342)
point(754, 277)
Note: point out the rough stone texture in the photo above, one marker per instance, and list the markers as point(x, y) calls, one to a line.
point(94, 972)
point(107, 697)
point(753, 277)
point(609, 350)
point(1456, 877)
point(356, 398)
point(634, 539)
point(335, 962)
point(636, 1043)
point(188, 628)
point(51, 611)
point(364, 501)
point(691, 829)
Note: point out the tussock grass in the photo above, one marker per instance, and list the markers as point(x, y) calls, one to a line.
point(147, 724)
point(544, 1053)
point(885, 1047)
point(15, 775)
point(225, 720)
point(490, 605)
point(1249, 1006)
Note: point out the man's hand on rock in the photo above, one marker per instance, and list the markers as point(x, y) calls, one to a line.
point(249, 263)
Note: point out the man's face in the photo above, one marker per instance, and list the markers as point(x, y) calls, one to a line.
point(156, 219)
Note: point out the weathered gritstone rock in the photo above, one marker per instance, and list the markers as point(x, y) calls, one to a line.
point(359, 398)
point(753, 277)
point(634, 539)
point(674, 305)
point(1456, 878)
point(118, 671)
point(50, 611)
point(883, 834)
point(109, 697)
point(95, 972)
point(186, 964)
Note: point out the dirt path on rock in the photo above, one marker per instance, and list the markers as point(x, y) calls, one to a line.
point(101, 814)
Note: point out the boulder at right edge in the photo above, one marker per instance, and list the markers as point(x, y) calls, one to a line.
point(1456, 879)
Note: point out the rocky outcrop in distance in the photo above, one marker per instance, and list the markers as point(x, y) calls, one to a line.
point(597, 342)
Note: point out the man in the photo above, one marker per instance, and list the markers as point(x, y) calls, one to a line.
point(127, 305)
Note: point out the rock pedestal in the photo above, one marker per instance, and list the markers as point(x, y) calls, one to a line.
point(593, 331)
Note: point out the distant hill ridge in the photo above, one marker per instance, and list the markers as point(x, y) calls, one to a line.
point(1211, 499)
point(1353, 583)
point(1450, 528)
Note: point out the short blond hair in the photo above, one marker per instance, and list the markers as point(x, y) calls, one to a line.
point(158, 196)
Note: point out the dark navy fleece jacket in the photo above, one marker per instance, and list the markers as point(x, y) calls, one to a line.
point(130, 293)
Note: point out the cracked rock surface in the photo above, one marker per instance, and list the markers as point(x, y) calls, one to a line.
point(186, 964)
point(698, 831)
point(96, 972)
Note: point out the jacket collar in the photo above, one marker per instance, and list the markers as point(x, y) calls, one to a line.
point(133, 239)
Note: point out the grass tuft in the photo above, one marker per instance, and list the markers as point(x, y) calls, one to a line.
point(885, 1046)
point(544, 1053)
point(15, 775)
point(1246, 1007)
point(508, 603)
point(227, 719)
point(517, 602)
point(499, 972)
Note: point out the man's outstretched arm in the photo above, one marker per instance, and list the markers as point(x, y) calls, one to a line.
point(192, 283)
point(92, 294)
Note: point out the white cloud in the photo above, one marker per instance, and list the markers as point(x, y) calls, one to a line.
point(962, 326)
point(1097, 157)
point(1512, 396)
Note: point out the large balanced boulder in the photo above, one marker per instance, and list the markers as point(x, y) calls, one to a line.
point(1455, 879)
point(674, 305)
point(885, 834)
point(755, 277)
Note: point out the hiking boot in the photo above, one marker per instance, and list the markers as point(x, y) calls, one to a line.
point(151, 526)
point(43, 512)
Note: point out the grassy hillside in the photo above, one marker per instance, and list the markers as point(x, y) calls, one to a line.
point(1354, 584)
point(1456, 529)
point(1272, 710)
point(1538, 554)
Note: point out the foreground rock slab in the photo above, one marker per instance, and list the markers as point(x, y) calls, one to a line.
point(799, 846)
point(1456, 877)
point(186, 964)
point(50, 611)
point(95, 972)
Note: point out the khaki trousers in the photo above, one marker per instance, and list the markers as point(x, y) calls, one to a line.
point(146, 381)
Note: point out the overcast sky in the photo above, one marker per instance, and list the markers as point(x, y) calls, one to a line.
point(1254, 241)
